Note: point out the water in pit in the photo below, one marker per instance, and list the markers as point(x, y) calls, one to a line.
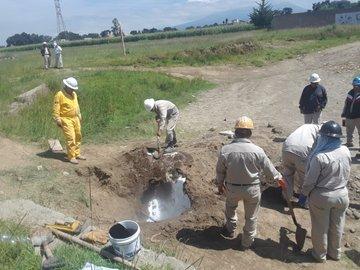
point(166, 200)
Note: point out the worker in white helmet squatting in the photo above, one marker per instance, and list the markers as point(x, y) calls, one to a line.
point(326, 177)
point(238, 170)
point(167, 115)
point(66, 113)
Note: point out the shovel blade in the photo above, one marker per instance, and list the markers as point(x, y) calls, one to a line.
point(300, 236)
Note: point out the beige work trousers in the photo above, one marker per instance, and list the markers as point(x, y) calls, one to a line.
point(46, 61)
point(58, 61)
point(327, 214)
point(351, 124)
point(312, 118)
point(251, 196)
point(170, 129)
point(292, 164)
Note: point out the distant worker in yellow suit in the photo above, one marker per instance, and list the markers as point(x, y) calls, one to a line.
point(66, 113)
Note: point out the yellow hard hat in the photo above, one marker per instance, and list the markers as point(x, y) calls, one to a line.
point(244, 122)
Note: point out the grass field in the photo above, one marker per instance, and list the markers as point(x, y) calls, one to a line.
point(111, 100)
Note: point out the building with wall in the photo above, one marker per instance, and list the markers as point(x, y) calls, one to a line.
point(317, 18)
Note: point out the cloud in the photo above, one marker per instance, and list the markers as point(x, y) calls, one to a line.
point(203, 1)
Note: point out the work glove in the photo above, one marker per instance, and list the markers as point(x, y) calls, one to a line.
point(58, 122)
point(303, 201)
point(221, 189)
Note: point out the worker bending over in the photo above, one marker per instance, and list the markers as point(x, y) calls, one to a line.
point(66, 113)
point(313, 100)
point(167, 115)
point(295, 151)
point(238, 170)
point(325, 182)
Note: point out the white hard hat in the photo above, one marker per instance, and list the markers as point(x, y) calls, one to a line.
point(149, 104)
point(55, 43)
point(44, 43)
point(314, 78)
point(71, 83)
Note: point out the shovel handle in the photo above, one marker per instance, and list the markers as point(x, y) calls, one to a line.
point(291, 209)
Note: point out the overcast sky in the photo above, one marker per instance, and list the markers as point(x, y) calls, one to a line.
point(84, 16)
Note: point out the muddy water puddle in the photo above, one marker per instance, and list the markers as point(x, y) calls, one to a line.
point(165, 200)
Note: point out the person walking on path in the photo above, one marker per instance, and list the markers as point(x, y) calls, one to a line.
point(167, 115)
point(313, 100)
point(325, 183)
point(238, 171)
point(66, 113)
point(295, 151)
point(58, 56)
point(46, 54)
point(352, 112)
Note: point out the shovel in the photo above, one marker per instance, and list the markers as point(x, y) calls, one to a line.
point(300, 233)
point(157, 154)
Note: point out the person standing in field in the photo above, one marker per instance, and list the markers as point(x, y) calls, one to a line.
point(66, 113)
point(167, 115)
point(58, 56)
point(313, 100)
point(238, 173)
point(46, 54)
point(352, 112)
point(295, 151)
point(326, 177)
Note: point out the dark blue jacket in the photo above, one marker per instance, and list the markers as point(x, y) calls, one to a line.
point(352, 106)
point(313, 100)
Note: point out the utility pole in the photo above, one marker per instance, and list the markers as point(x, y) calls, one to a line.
point(117, 31)
point(59, 18)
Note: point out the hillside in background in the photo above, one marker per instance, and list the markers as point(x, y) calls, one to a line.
point(231, 14)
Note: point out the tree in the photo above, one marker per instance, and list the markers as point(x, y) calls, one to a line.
point(25, 39)
point(116, 28)
point(67, 35)
point(328, 5)
point(91, 35)
point(263, 15)
point(169, 29)
point(134, 32)
point(105, 33)
point(190, 27)
point(287, 10)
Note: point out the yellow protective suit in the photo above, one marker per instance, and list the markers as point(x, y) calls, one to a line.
point(66, 109)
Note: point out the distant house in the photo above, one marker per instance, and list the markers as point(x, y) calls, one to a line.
point(238, 21)
point(317, 18)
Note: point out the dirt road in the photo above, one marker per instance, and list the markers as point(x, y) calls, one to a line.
point(269, 95)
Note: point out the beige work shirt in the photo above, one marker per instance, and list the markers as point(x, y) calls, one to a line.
point(164, 110)
point(241, 163)
point(328, 171)
point(301, 141)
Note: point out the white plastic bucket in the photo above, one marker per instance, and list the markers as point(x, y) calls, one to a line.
point(130, 246)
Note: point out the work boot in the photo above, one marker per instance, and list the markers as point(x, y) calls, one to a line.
point(349, 144)
point(81, 157)
point(169, 149)
point(74, 161)
point(225, 232)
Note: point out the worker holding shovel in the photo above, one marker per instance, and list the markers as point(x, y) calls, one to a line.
point(167, 115)
point(238, 171)
point(326, 177)
point(66, 113)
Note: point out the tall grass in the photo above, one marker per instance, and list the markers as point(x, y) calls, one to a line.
point(153, 36)
point(111, 103)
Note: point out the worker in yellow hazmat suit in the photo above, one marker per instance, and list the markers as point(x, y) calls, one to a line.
point(66, 113)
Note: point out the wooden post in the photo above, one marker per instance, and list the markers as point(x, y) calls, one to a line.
point(122, 40)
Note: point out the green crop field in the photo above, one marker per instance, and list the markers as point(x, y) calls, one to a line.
point(111, 98)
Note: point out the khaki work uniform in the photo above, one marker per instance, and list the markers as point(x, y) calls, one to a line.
point(351, 124)
point(66, 108)
point(312, 118)
point(325, 182)
point(46, 57)
point(168, 115)
point(295, 151)
point(239, 166)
